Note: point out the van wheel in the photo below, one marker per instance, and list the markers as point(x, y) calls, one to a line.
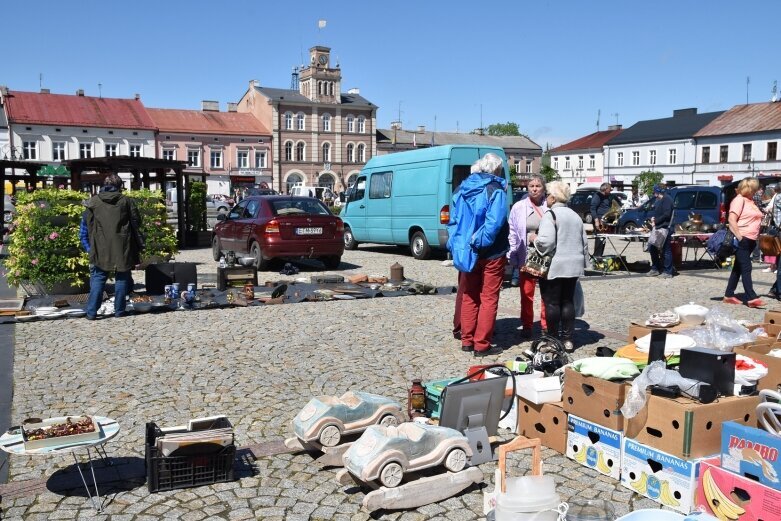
point(349, 239)
point(419, 247)
point(588, 218)
point(260, 263)
point(216, 248)
point(629, 227)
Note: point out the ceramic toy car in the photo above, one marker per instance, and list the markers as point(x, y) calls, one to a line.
point(387, 453)
point(325, 419)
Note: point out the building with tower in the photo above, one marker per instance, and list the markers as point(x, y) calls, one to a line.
point(321, 136)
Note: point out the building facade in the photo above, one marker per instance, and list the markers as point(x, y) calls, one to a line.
point(321, 136)
point(232, 150)
point(582, 161)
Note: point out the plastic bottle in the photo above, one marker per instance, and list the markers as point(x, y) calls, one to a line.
point(222, 262)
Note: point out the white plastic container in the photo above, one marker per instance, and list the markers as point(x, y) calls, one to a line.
point(652, 514)
point(540, 390)
point(528, 498)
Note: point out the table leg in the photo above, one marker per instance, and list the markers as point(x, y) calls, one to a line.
point(101, 450)
point(99, 506)
point(619, 254)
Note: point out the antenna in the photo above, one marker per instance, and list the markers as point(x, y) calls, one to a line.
point(599, 113)
point(748, 80)
point(616, 115)
point(40, 80)
point(100, 90)
point(399, 118)
point(294, 79)
point(774, 92)
point(481, 118)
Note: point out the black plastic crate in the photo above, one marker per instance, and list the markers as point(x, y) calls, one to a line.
point(172, 472)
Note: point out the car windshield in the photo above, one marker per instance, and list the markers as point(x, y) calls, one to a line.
point(298, 206)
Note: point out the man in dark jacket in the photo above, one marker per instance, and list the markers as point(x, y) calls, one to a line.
point(662, 258)
point(108, 234)
point(600, 204)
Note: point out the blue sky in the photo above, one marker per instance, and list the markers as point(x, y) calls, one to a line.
point(547, 65)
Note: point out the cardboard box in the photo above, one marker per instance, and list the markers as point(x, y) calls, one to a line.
point(540, 390)
point(752, 453)
point(546, 421)
point(594, 446)
point(686, 428)
point(772, 331)
point(718, 487)
point(759, 352)
point(637, 331)
point(594, 399)
point(772, 317)
point(666, 479)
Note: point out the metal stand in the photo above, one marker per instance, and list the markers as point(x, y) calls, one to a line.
point(481, 447)
point(99, 506)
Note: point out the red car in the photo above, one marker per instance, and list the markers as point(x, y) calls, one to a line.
point(270, 227)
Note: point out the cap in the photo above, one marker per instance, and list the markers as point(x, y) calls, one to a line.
point(658, 189)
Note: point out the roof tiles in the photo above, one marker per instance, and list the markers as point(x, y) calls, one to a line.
point(595, 140)
point(207, 122)
point(742, 119)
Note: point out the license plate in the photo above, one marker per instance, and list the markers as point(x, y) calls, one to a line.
point(309, 231)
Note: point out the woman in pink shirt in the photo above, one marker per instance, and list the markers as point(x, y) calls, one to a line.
point(744, 220)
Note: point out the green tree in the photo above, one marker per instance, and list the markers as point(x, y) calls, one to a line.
point(549, 173)
point(503, 129)
point(645, 181)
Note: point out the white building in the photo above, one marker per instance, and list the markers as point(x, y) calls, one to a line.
point(582, 161)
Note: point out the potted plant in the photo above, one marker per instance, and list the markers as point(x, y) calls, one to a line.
point(196, 209)
point(159, 237)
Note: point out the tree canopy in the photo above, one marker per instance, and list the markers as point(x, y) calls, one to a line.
point(646, 180)
point(503, 129)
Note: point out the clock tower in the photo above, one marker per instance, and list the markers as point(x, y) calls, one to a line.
point(321, 81)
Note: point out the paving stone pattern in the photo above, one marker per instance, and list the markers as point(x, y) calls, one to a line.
point(259, 366)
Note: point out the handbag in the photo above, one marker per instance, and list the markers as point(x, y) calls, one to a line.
point(727, 247)
point(770, 244)
point(538, 264)
point(657, 237)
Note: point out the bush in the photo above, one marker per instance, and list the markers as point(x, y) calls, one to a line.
point(159, 237)
point(197, 207)
point(336, 210)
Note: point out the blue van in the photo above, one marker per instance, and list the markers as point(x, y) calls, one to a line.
point(404, 198)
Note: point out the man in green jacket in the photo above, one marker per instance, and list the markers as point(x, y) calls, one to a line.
point(109, 233)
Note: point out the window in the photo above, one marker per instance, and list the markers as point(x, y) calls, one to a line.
point(351, 180)
point(772, 151)
point(652, 157)
point(216, 159)
point(135, 150)
point(529, 163)
point(291, 181)
point(635, 158)
point(288, 121)
point(620, 160)
point(169, 154)
point(747, 152)
point(350, 124)
point(359, 189)
point(592, 162)
point(326, 123)
point(706, 200)
point(380, 185)
point(326, 153)
point(260, 159)
point(555, 163)
point(85, 150)
point(242, 158)
point(300, 122)
point(194, 157)
point(672, 156)
point(351, 153)
point(289, 151)
point(361, 125)
point(300, 152)
point(58, 151)
point(361, 153)
point(30, 149)
point(111, 149)
point(580, 162)
point(723, 153)
point(706, 155)
point(566, 163)
point(684, 200)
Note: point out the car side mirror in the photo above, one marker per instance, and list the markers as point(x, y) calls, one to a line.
point(222, 217)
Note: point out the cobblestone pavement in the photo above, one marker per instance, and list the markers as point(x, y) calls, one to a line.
point(259, 366)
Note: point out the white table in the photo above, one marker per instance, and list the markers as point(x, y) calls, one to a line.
point(12, 443)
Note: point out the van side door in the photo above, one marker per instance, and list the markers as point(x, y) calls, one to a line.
point(355, 209)
point(379, 214)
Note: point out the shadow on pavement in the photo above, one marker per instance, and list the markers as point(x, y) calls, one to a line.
point(121, 475)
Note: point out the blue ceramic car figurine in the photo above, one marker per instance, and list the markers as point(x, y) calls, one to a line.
point(387, 453)
point(325, 419)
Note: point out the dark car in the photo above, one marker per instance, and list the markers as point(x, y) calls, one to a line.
point(580, 202)
point(280, 227)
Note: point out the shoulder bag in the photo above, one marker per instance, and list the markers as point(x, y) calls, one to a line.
point(538, 264)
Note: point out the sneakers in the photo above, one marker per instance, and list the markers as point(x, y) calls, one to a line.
point(772, 293)
point(491, 351)
point(468, 348)
point(768, 270)
point(731, 300)
point(652, 273)
point(756, 303)
point(666, 276)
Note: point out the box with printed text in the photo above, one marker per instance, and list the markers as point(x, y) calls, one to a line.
point(751, 452)
point(594, 446)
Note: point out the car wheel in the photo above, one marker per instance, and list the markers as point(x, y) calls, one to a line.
point(260, 263)
point(389, 420)
point(330, 436)
point(332, 262)
point(629, 227)
point(222, 209)
point(456, 460)
point(216, 248)
point(419, 247)
point(349, 240)
point(391, 475)
point(588, 219)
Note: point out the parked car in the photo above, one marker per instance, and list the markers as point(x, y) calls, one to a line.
point(387, 453)
point(216, 203)
point(580, 202)
point(272, 226)
point(261, 191)
point(326, 419)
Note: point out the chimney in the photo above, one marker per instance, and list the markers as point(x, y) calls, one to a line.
point(354, 90)
point(80, 92)
point(45, 91)
point(395, 125)
point(210, 106)
point(3, 90)
point(684, 112)
point(137, 96)
point(421, 128)
point(233, 107)
point(253, 84)
point(614, 127)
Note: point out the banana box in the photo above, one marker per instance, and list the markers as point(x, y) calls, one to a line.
point(752, 453)
point(665, 478)
point(731, 497)
point(594, 446)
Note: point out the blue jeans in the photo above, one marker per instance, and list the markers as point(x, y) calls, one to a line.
point(741, 270)
point(97, 283)
point(662, 262)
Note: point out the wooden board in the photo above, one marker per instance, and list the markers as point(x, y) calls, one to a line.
point(422, 491)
